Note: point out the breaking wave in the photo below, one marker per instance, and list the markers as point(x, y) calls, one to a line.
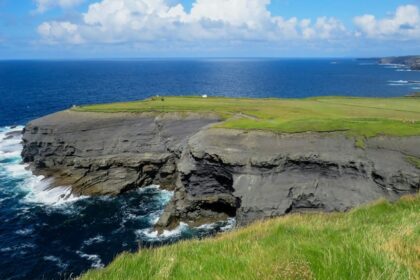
point(37, 188)
point(63, 234)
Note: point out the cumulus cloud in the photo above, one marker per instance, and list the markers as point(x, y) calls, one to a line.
point(44, 5)
point(60, 31)
point(250, 13)
point(118, 21)
point(403, 24)
point(324, 28)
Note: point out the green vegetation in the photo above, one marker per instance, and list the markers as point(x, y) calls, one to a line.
point(378, 241)
point(360, 142)
point(414, 161)
point(364, 117)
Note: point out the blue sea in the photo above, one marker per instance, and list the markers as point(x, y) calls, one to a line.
point(43, 236)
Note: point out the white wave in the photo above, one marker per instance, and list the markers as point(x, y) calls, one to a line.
point(207, 226)
point(398, 82)
point(95, 259)
point(26, 231)
point(42, 192)
point(231, 224)
point(165, 195)
point(57, 261)
point(10, 155)
point(16, 170)
point(6, 249)
point(18, 248)
point(154, 234)
point(38, 189)
point(94, 240)
point(393, 65)
point(397, 85)
point(416, 88)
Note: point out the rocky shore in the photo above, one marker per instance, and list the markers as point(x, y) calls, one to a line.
point(217, 173)
point(412, 62)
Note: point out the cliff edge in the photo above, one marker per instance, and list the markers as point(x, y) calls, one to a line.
point(219, 172)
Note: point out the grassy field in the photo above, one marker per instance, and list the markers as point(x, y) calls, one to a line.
point(378, 241)
point(361, 117)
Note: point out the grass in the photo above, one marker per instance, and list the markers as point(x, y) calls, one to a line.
point(360, 143)
point(378, 241)
point(365, 117)
point(414, 161)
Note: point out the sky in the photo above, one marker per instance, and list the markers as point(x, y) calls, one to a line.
point(72, 29)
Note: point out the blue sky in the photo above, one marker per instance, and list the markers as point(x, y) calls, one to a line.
point(183, 28)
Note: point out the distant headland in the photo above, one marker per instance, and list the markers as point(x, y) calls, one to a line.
point(412, 61)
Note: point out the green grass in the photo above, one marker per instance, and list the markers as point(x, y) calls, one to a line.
point(360, 142)
point(414, 161)
point(364, 117)
point(378, 241)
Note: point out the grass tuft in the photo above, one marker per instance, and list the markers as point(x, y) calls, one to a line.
point(360, 143)
point(414, 161)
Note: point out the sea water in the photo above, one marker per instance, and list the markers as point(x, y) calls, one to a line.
point(29, 89)
point(48, 233)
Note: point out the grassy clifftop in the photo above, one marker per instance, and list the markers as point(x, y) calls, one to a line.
point(379, 241)
point(355, 116)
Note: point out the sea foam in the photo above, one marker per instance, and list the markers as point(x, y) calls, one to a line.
point(95, 259)
point(37, 188)
point(398, 82)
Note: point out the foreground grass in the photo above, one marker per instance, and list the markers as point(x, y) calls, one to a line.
point(379, 241)
point(363, 117)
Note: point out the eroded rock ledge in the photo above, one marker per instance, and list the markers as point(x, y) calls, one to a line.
point(217, 173)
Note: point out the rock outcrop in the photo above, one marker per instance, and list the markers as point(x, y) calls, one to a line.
point(218, 173)
point(412, 62)
point(109, 153)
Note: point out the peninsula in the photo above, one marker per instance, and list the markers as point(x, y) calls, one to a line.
point(412, 62)
point(225, 157)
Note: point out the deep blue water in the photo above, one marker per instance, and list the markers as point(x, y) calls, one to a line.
point(30, 89)
point(43, 236)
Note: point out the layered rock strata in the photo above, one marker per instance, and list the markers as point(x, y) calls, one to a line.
point(218, 173)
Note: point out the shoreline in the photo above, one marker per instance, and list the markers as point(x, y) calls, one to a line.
point(225, 157)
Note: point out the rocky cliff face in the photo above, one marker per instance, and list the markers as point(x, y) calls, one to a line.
point(412, 62)
point(218, 173)
point(109, 153)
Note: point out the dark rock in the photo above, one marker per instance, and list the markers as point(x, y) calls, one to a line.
point(109, 153)
point(218, 173)
point(265, 175)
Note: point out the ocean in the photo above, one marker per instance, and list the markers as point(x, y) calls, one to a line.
point(43, 236)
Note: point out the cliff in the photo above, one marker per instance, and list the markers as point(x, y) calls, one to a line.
point(412, 62)
point(218, 172)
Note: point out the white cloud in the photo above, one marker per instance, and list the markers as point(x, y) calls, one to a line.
point(62, 31)
point(44, 5)
point(136, 21)
point(324, 28)
point(403, 24)
point(250, 13)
